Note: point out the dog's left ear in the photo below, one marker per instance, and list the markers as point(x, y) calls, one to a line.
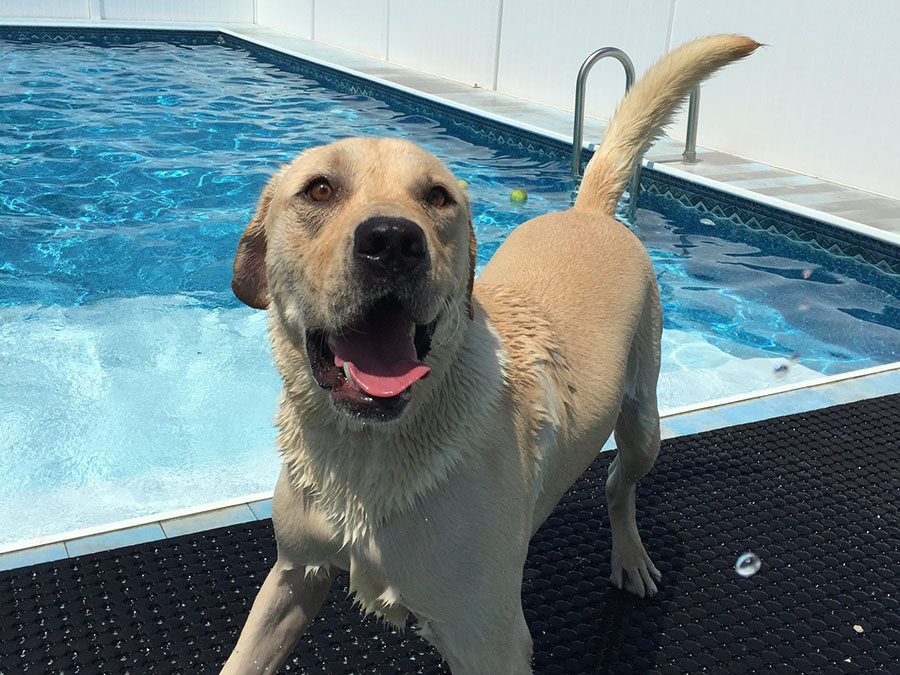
point(249, 283)
point(473, 260)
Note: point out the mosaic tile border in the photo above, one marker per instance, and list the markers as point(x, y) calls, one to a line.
point(473, 127)
point(765, 218)
point(107, 36)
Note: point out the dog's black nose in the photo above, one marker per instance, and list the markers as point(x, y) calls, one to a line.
point(390, 246)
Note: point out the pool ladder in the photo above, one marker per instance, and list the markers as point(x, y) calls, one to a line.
point(689, 156)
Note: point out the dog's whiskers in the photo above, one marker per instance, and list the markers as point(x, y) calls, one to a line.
point(452, 309)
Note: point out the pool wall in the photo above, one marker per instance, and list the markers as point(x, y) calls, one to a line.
point(791, 110)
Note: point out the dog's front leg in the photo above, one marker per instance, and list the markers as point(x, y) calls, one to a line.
point(288, 600)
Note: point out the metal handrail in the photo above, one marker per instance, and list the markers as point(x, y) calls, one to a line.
point(689, 156)
point(578, 131)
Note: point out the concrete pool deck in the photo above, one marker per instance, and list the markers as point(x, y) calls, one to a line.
point(854, 209)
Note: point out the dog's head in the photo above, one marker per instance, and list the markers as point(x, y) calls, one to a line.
point(365, 250)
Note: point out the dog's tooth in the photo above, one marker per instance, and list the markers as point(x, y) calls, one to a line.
point(350, 377)
point(412, 328)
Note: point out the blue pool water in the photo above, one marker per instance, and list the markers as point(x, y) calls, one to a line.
point(133, 382)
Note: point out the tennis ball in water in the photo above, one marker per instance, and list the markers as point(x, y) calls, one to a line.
point(518, 195)
point(463, 184)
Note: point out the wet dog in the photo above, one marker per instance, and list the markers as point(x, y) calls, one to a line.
point(430, 423)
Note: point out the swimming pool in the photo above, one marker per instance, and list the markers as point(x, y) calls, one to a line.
point(135, 383)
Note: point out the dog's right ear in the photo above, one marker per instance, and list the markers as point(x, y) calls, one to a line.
point(249, 283)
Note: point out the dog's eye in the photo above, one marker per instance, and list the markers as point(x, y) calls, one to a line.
point(319, 190)
point(437, 196)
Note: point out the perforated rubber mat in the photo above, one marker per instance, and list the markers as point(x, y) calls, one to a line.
point(814, 496)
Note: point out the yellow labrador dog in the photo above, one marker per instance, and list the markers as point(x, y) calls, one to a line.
point(429, 425)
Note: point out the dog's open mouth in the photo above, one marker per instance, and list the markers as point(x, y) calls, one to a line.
point(370, 366)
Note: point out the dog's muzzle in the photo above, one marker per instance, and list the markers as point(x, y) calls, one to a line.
point(370, 364)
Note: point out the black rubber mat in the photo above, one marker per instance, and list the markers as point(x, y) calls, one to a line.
point(814, 496)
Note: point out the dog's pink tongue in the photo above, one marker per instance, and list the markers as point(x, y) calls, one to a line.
point(380, 354)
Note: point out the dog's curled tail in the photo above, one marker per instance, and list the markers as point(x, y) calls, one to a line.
point(646, 110)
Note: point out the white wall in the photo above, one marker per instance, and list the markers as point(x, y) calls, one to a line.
point(53, 9)
point(226, 11)
point(219, 11)
point(456, 39)
point(289, 16)
point(543, 45)
point(822, 98)
point(359, 25)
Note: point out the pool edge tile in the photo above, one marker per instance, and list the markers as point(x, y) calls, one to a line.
point(846, 392)
point(262, 509)
point(696, 422)
point(749, 411)
point(666, 433)
point(799, 401)
point(208, 520)
point(115, 539)
point(32, 556)
point(885, 383)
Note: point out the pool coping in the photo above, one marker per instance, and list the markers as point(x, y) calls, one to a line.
point(718, 413)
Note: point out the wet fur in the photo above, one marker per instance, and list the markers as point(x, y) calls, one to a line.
point(554, 346)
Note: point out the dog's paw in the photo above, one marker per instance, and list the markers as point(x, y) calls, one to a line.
point(635, 572)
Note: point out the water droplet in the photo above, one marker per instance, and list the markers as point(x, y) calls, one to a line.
point(780, 369)
point(807, 273)
point(804, 307)
point(747, 564)
point(706, 221)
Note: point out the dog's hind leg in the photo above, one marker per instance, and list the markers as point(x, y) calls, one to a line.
point(637, 440)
